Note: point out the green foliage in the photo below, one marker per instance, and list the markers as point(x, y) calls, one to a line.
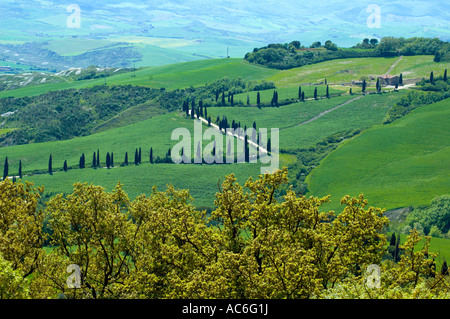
point(282, 56)
point(412, 46)
point(60, 115)
point(426, 94)
point(434, 218)
point(256, 243)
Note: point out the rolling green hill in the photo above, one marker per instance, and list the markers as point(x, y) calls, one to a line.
point(348, 70)
point(401, 164)
point(359, 114)
point(173, 76)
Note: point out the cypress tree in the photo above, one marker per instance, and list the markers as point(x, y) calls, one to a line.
point(444, 269)
point(247, 151)
point(300, 92)
point(217, 95)
point(94, 161)
point(431, 78)
point(50, 168)
point(206, 113)
point(363, 89)
point(200, 106)
point(232, 100)
point(65, 168)
point(108, 160)
point(351, 93)
point(400, 80)
point(125, 162)
point(192, 111)
point(328, 93)
point(98, 158)
point(112, 159)
point(136, 157)
point(445, 75)
point(315, 93)
point(258, 99)
point(209, 120)
point(397, 249)
point(20, 169)
point(5, 168)
point(393, 240)
point(248, 99)
point(140, 157)
point(303, 96)
point(151, 155)
point(83, 161)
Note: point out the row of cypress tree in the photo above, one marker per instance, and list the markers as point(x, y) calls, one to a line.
point(82, 162)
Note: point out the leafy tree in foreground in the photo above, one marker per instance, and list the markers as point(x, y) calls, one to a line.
point(21, 227)
point(261, 241)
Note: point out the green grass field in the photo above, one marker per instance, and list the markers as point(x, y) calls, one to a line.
point(401, 164)
point(201, 180)
point(348, 70)
point(360, 114)
point(156, 132)
point(420, 67)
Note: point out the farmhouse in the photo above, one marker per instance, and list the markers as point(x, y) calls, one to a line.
point(5, 68)
point(389, 79)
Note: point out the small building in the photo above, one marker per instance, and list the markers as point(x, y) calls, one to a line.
point(389, 79)
point(5, 68)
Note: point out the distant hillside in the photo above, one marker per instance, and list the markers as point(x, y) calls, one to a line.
point(174, 31)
